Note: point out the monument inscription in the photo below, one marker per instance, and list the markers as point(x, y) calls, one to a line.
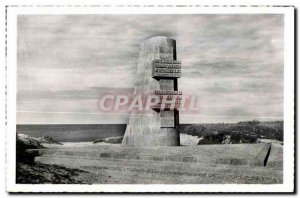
point(166, 68)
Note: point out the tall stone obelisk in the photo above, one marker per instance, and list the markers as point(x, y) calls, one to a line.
point(157, 73)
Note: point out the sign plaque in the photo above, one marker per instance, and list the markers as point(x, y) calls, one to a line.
point(166, 68)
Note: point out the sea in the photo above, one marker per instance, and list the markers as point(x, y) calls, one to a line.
point(73, 132)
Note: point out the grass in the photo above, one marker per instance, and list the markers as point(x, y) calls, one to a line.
point(267, 130)
point(37, 173)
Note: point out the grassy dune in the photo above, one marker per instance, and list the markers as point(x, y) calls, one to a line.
point(28, 171)
point(241, 132)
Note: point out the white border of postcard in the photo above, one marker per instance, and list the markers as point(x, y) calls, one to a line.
point(288, 166)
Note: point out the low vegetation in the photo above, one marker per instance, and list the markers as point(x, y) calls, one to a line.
point(233, 133)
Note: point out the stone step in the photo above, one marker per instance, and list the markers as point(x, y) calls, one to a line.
point(159, 167)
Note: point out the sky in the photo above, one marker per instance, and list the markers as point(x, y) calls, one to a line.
point(234, 63)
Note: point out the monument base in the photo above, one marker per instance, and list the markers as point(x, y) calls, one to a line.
point(234, 154)
point(207, 164)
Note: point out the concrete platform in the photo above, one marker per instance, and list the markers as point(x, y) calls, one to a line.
point(205, 164)
point(235, 154)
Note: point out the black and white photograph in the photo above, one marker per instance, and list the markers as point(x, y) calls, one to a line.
point(163, 97)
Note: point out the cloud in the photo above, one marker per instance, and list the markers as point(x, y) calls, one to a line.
point(234, 62)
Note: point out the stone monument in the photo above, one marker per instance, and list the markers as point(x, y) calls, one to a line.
point(157, 73)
